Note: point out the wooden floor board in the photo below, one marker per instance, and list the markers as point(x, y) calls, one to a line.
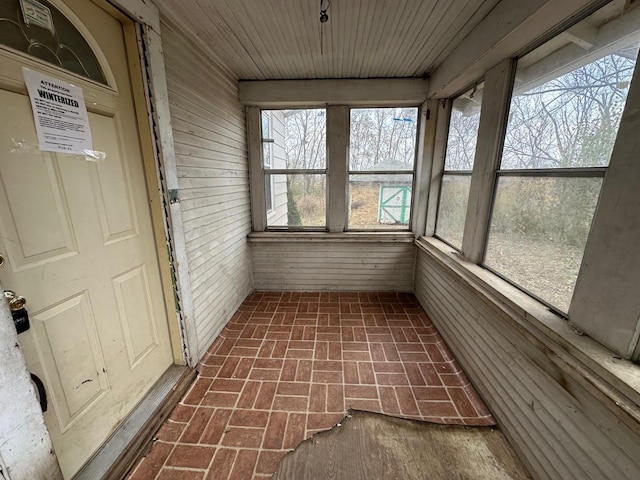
point(371, 446)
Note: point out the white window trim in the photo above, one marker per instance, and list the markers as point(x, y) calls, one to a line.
point(411, 172)
point(443, 169)
point(336, 96)
point(272, 210)
point(337, 168)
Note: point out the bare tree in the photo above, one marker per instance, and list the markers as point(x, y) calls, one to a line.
point(382, 138)
point(570, 121)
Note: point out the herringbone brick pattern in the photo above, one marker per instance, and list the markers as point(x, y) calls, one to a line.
point(290, 364)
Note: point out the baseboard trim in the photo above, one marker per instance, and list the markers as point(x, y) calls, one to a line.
point(127, 444)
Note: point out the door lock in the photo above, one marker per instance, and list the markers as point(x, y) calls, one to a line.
point(19, 313)
point(16, 302)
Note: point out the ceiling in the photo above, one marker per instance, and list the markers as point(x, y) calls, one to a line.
point(281, 39)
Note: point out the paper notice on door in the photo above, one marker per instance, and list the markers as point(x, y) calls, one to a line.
point(60, 114)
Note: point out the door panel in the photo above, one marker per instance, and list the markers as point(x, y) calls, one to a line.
point(79, 244)
point(136, 313)
point(48, 207)
point(75, 386)
point(111, 186)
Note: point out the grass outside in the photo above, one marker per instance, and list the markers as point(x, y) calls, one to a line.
point(546, 269)
point(364, 207)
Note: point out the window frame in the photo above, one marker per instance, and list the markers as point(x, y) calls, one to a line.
point(585, 312)
point(545, 172)
point(411, 172)
point(272, 172)
point(336, 171)
point(444, 172)
point(268, 142)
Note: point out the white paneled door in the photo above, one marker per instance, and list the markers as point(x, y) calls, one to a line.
point(77, 233)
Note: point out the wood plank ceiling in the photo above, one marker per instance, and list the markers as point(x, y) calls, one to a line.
point(281, 39)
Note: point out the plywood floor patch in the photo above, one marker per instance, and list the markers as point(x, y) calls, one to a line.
point(370, 446)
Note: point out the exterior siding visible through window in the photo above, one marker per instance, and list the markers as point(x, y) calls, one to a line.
point(267, 158)
point(294, 161)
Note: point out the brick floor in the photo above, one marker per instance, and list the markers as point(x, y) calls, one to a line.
point(290, 364)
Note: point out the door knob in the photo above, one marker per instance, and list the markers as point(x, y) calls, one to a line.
point(16, 302)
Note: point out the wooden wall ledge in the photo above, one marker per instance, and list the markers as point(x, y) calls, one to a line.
point(325, 237)
point(614, 381)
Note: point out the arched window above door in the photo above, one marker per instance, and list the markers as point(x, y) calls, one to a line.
point(39, 29)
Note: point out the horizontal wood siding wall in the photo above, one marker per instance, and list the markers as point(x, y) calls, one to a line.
point(336, 266)
point(559, 428)
point(211, 157)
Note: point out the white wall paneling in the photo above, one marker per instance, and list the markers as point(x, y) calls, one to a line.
point(553, 413)
point(333, 262)
point(213, 180)
point(373, 92)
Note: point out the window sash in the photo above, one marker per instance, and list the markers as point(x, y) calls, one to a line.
point(518, 271)
point(333, 212)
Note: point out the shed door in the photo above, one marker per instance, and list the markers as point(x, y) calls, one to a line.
point(78, 238)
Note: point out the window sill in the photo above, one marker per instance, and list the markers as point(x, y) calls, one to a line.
point(613, 381)
point(320, 237)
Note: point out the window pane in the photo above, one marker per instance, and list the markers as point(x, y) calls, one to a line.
point(267, 139)
point(266, 124)
point(53, 39)
point(463, 130)
point(269, 191)
point(379, 202)
point(538, 233)
point(570, 118)
point(299, 138)
point(298, 201)
point(382, 139)
point(267, 155)
point(452, 211)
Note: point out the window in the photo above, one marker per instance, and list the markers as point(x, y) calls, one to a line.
point(54, 39)
point(458, 164)
point(371, 175)
point(563, 120)
point(295, 167)
point(381, 167)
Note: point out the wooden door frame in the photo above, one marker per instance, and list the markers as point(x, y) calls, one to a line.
point(149, 85)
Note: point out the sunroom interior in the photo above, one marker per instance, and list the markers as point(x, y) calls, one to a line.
point(480, 155)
